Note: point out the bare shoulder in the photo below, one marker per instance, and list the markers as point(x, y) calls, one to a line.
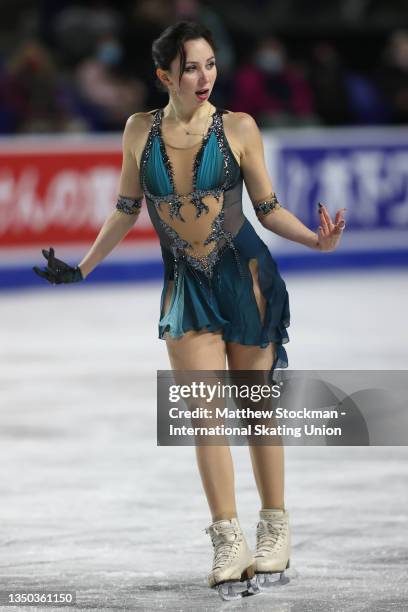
point(240, 121)
point(138, 123)
point(136, 131)
point(241, 129)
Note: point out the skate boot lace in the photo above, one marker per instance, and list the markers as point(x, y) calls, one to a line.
point(225, 549)
point(269, 536)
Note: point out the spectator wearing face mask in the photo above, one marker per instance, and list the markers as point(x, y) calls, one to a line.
point(107, 93)
point(271, 89)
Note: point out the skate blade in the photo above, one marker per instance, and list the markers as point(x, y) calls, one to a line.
point(267, 581)
point(236, 589)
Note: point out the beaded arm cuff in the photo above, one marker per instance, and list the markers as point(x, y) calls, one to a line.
point(264, 207)
point(130, 206)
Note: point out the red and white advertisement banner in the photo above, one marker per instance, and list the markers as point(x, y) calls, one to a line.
point(58, 191)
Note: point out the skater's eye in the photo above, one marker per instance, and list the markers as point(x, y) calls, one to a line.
point(192, 68)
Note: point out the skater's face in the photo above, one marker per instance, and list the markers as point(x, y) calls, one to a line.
point(199, 73)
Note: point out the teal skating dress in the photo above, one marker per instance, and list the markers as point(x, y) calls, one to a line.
point(207, 242)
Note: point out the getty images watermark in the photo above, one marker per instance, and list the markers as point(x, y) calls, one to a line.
point(296, 408)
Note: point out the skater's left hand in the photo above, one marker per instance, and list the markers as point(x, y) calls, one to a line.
point(329, 233)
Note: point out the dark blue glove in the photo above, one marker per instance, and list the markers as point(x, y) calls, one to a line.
point(58, 271)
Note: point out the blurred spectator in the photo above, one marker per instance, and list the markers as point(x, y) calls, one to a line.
point(147, 20)
point(35, 91)
point(87, 65)
point(328, 81)
point(393, 76)
point(108, 94)
point(342, 96)
point(77, 28)
point(366, 103)
point(271, 89)
point(9, 118)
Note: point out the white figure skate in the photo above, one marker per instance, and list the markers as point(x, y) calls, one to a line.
point(233, 567)
point(272, 556)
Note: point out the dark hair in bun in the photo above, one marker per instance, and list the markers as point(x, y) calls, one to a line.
point(171, 42)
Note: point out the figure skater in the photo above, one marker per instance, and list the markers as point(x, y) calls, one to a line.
point(223, 299)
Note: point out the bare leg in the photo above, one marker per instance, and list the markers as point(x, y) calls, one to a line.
point(267, 461)
point(204, 351)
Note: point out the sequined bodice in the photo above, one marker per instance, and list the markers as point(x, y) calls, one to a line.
point(188, 193)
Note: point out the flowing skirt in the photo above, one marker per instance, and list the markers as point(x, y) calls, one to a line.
point(227, 301)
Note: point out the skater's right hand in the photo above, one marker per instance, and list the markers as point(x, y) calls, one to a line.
point(57, 271)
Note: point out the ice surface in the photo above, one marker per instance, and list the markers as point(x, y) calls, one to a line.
point(90, 503)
